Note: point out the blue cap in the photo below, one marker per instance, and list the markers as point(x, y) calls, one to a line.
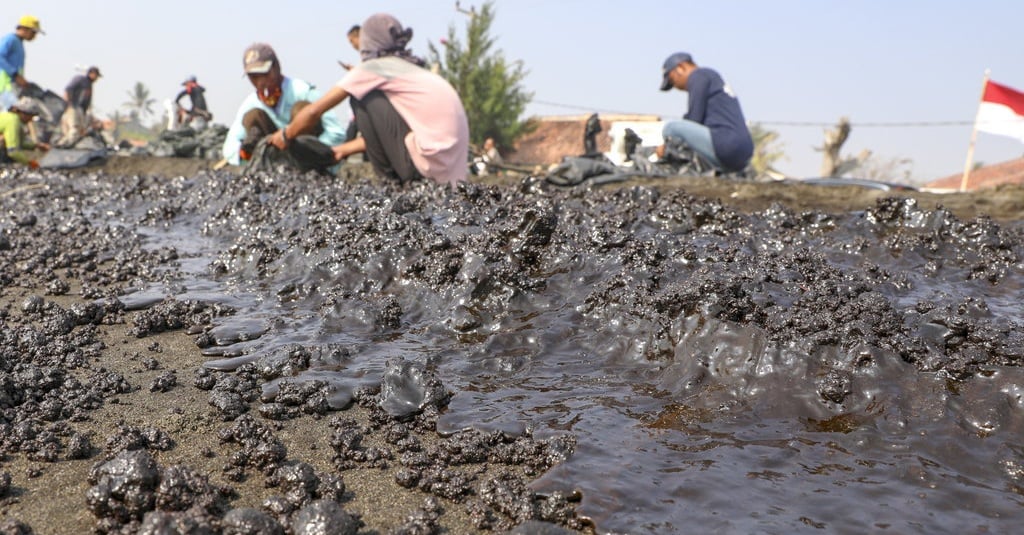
point(670, 63)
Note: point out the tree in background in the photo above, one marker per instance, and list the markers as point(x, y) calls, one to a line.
point(489, 85)
point(833, 164)
point(865, 164)
point(139, 103)
point(767, 150)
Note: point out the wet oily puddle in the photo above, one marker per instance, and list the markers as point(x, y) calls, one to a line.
point(769, 372)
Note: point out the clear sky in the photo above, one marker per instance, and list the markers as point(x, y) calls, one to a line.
point(790, 61)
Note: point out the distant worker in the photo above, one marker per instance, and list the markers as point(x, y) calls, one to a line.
point(12, 59)
point(76, 120)
point(196, 95)
point(412, 122)
point(275, 102)
point(353, 36)
point(714, 125)
point(12, 136)
point(489, 160)
point(590, 132)
point(491, 153)
point(353, 39)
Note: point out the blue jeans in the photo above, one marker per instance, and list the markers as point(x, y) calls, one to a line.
point(696, 135)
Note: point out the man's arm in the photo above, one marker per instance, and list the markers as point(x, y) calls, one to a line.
point(177, 101)
point(334, 131)
point(236, 133)
point(309, 116)
point(5, 51)
point(348, 148)
point(6, 44)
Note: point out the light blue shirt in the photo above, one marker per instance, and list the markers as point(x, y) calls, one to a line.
point(12, 55)
point(292, 91)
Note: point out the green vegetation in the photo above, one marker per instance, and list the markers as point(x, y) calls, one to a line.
point(139, 103)
point(490, 86)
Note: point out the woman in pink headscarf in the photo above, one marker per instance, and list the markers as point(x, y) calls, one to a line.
point(412, 122)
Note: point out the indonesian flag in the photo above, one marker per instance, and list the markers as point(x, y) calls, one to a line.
point(1001, 111)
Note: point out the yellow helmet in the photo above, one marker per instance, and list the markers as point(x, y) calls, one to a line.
point(31, 22)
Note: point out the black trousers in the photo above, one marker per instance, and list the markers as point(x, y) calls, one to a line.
point(306, 150)
point(259, 125)
point(384, 131)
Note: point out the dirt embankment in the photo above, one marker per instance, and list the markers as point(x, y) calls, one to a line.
point(1003, 203)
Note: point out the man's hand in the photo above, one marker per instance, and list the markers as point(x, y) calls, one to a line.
point(43, 146)
point(660, 151)
point(21, 81)
point(278, 140)
point(339, 152)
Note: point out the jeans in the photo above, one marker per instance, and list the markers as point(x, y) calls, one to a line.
point(696, 135)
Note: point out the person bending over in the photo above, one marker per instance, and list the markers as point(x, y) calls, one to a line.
point(197, 96)
point(412, 122)
point(77, 120)
point(13, 140)
point(714, 125)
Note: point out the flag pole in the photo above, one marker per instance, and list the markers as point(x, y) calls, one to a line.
point(974, 136)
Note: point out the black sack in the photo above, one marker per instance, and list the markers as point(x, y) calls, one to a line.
point(71, 158)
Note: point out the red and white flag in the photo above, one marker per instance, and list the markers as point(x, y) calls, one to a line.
point(1001, 111)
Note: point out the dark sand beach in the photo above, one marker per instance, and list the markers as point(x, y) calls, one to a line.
point(159, 404)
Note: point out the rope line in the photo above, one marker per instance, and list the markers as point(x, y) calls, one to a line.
point(816, 124)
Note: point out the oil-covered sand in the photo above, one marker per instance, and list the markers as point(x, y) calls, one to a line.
point(113, 300)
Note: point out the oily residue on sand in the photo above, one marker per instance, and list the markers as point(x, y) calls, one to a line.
point(672, 362)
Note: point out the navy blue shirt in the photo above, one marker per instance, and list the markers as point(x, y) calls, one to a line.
point(713, 105)
point(195, 93)
point(79, 92)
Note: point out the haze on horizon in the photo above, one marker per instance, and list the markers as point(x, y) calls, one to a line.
point(907, 74)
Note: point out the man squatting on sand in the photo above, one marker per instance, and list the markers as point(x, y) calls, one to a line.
point(412, 121)
point(713, 125)
point(275, 101)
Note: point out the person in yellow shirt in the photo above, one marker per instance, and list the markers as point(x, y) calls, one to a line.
point(14, 140)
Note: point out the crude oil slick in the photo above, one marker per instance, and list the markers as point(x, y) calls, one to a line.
point(665, 360)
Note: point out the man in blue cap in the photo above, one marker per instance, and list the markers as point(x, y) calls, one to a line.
point(713, 125)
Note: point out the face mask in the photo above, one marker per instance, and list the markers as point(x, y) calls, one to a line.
point(270, 96)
